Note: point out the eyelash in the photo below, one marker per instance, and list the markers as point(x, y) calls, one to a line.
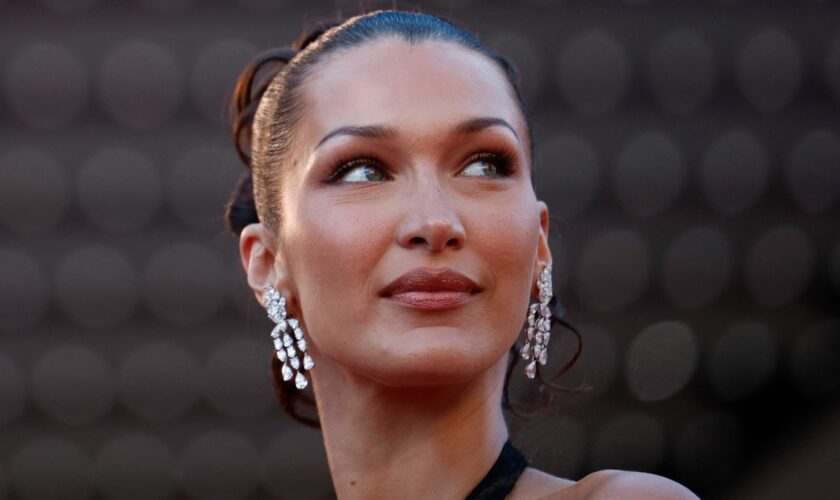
point(347, 163)
point(502, 157)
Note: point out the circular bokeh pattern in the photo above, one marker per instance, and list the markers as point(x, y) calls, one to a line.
point(598, 365)
point(649, 174)
point(73, 385)
point(779, 266)
point(613, 270)
point(769, 69)
point(160, 381)
point(34, 192)
point(661, 360)
point(137, 467)
point(12, 392)
point(140, 84)
point(200, 184)
point(24, 294)
point(237, 379)
point(526, 56)
point(214, 76)
point(51, 468)
point(813, 171)
point(734, 171)
point(682, 71)
point(594, 72)
point(96, 286)
point(223, 464)
point(742, 360)
point(697, 267)
point(119, 190)
point(184, 284)
point(47, 85)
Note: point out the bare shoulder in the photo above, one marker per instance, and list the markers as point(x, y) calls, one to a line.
point(618, 484)
point(534, 483)
point(601, 485)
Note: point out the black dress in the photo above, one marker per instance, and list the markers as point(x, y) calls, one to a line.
point(502, 477)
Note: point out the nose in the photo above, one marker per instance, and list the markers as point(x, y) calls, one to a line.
point(430, 222)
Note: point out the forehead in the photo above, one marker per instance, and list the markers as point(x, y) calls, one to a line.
point(418, 89)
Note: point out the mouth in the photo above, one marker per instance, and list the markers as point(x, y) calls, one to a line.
point(431, 289)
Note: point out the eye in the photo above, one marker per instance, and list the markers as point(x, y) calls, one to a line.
point(358, 170)
point(489, 165)
point(362, 173)
point(480, 169)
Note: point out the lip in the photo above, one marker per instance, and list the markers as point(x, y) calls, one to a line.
point(431, 289)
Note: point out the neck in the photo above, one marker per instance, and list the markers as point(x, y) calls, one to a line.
point(419, 442)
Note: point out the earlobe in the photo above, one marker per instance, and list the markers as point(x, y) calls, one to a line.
point(258, 259)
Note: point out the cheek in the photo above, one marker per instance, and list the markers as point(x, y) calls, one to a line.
point(506, 237)
point(334, 251)
point(502, 240)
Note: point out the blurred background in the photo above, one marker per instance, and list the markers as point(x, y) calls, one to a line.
point(690, 155)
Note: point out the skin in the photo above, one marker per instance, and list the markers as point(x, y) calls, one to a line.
point(407, 395)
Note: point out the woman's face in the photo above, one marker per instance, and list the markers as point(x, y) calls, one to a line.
point(420, 194)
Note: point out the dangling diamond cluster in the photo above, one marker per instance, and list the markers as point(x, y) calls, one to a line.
point(288, 340)
point(538, 331)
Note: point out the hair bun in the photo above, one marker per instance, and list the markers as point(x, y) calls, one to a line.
point(308, 37)
point(250, 87)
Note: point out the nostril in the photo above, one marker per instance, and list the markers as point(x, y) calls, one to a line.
point(434, 235)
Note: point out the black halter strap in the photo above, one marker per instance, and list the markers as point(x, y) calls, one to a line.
point(501, 478)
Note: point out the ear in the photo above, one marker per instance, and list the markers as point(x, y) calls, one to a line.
point(543, 250)
point(261, 261)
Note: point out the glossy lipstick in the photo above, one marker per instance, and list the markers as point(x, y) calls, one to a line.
point(431, 289)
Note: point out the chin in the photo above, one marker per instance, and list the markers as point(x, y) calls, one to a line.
point(434, 356)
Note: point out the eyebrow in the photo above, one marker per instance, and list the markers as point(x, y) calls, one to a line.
point(466, 127)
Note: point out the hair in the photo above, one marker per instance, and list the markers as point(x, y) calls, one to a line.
point(266, 107)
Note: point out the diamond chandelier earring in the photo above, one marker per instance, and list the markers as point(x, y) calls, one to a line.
point(538, 332)
point(287, 347)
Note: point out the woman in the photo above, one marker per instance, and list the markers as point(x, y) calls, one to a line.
point(391, 229)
